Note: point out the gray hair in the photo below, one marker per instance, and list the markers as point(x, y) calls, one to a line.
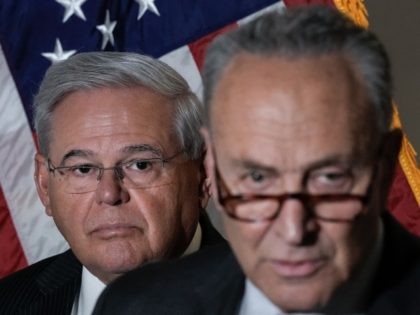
point(86, 71)
point(310, 31)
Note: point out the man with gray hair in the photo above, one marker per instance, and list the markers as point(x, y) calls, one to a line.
point(300, 155)
point(119, 170)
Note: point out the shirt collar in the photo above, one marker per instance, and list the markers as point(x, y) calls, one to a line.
point(91, 288)
point(195, 242)
point(255, 302)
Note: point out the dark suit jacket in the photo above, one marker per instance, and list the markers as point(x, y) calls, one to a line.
point(211, 281)
point(402, 300)
point(50, 286)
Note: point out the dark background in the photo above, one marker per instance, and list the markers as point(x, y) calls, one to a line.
point(397, 23)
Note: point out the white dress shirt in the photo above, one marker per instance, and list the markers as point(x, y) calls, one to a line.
point(90, 290)
point(91, 287)
point(255, 302)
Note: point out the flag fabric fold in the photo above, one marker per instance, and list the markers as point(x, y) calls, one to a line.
point(34, 34)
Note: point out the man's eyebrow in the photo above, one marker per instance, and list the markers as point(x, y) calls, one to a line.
point(142, 148)
point(79, 153)
point(335, 159)
point(253, 165)
point(330, 161)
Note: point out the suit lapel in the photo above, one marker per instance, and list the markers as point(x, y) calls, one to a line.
point(221, 292)
point(58, 283)
point(400, 255)
point(210, 235)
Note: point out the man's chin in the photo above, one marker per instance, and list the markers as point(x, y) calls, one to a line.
point(299, 298)
point(115, 258)
point(110, 270)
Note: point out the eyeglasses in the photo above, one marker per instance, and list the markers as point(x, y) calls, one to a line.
point(251, 208)
point(134, 173)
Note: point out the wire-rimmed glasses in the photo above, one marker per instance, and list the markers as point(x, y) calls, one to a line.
point(134, 173)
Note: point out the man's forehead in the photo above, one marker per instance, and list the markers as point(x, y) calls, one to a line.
point(106, 120)
point(271, 81)
point(288, 92)
point(281, 157)
point(286, 109)
point(112, 99)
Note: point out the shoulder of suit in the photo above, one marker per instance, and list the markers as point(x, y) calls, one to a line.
point(33, 275)
point(400, 299)
point(192, 270)
point(25, 286)
point(180, 284)
point(28, 272)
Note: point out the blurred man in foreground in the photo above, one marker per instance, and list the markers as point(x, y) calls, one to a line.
point(119, 170)
point(301, 158)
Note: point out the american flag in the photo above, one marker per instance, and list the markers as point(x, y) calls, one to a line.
point(34, 34)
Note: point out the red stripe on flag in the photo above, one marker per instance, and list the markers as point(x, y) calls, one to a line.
point(198, 48)
point(402, 203)
point(12, 257)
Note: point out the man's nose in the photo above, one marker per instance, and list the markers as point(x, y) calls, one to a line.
point(110, 189)
point(294, 224)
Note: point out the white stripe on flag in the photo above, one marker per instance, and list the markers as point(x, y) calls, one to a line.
point(37, 232)
point(183, 62)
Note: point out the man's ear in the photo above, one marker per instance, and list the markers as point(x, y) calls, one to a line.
point(41, 181)
point(204, 192)
point(386, 165)
point(208, 161)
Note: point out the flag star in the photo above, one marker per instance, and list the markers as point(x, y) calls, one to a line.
point(58, 54)
point(106, 29)
point(145, 5)
point(72, 7)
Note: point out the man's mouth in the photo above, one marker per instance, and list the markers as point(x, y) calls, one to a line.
point(297, 269)
point(108, 231)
